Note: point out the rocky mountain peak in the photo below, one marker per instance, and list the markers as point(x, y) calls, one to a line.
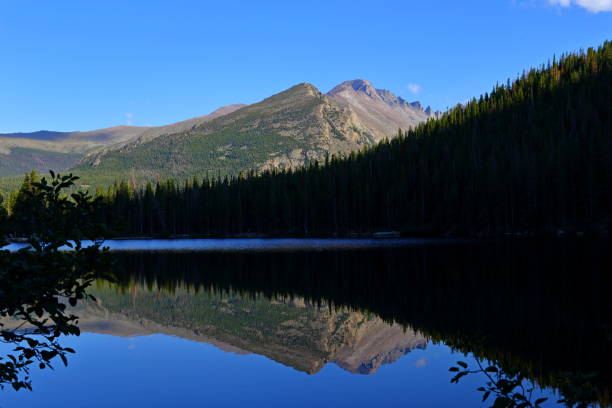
point(307, 87)
point(356, 85)
point(364, 87)
point(376, 112)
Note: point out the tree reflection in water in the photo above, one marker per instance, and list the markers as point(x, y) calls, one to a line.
point(538, 309)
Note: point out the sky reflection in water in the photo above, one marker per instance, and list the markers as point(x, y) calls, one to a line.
point(163, 371)
point(258, 244)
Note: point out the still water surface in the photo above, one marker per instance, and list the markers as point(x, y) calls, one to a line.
point(256, 244)
point(364, 323)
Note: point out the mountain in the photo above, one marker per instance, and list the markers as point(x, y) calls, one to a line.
point(153, 132)
point(19, 160)
point(44, 150)
point(68, 142)
point(378, 111)
point(289, 129)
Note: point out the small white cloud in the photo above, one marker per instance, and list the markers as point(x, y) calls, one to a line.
point(128, 118)
point(594, 6)
point(420, 363)
point(414, 88)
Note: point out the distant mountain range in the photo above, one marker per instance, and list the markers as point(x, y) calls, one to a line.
point(288, 129)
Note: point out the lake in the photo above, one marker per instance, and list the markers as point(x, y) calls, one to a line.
point(257, 244)
point(338, 322)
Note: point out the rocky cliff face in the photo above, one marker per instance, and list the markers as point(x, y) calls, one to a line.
point(377, 111)
point(375, 344)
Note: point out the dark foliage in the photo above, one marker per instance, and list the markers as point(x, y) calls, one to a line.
point(38, 282)
point(3, 216)
point(509, 389)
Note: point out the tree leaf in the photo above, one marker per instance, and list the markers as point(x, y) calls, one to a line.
point(485, 396)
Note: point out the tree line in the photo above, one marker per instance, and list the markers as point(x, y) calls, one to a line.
point(533, 155)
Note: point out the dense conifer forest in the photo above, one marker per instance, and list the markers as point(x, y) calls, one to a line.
point(533, 155)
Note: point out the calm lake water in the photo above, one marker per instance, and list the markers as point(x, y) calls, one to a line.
point(370, 322)
point(256, 244)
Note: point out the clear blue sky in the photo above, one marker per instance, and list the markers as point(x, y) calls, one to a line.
point(78, 65)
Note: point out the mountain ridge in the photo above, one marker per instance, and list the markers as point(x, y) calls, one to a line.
point(289, 129)
point(286, 130)
point(379, 110)
point(62, 150)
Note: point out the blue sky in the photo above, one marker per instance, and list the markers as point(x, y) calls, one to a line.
point(79, 65)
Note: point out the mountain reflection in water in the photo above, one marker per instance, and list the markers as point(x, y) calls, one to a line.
point(291, 331)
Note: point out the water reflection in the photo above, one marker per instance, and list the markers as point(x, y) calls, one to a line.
point(538, 312)
point(539, 308)
point(36, 288)
point(293, 331)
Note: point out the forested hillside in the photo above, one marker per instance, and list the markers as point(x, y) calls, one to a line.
point(59, 151)
point(533, 155)
point(286, 130)
point(43, 150)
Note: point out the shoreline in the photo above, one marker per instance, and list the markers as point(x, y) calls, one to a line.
point(369, 235)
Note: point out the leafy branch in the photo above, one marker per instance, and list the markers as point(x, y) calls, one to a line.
point(39, 282)
point(510, 389)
